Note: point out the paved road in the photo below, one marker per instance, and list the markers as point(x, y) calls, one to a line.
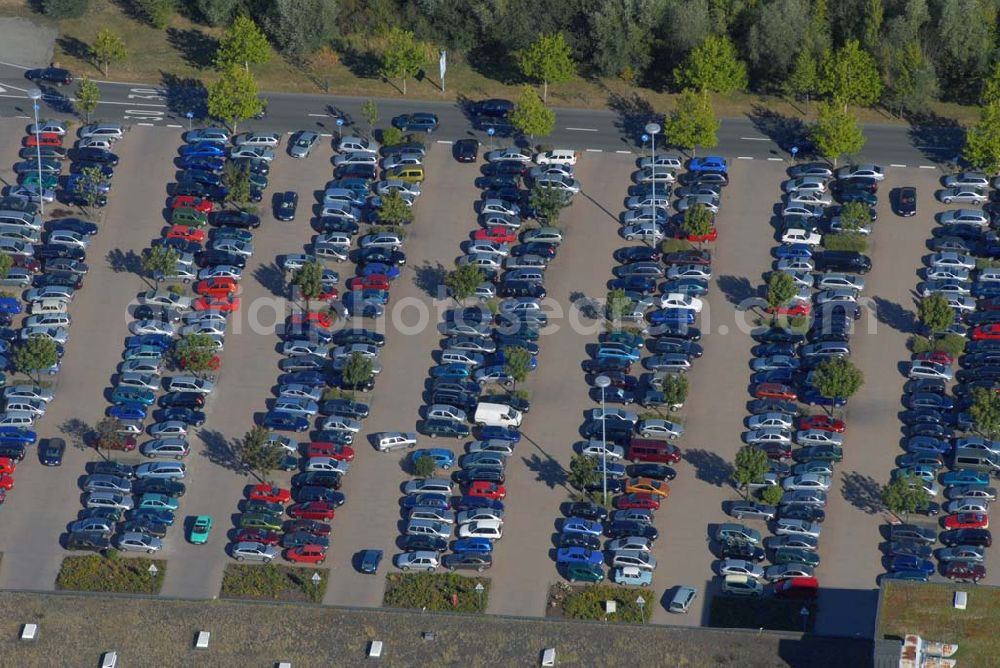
point(761, 137)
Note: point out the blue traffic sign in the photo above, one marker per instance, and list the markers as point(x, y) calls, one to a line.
point(340, 121)
point(645, 138)
point(189, 114)
point(794, 150)
point(491, 131)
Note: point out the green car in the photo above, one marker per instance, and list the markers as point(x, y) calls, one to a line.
point(625, 338)
point(584, 573)
point(124, 395)
point(260, 521)
point(200, 529)
point(824, 453)
point(158, 501)
point(795, 555)
point(190, 217)
point(258, 181)
point(49, 181)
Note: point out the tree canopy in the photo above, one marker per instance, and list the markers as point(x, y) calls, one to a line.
point(243, 43)
point(713, 66)
point(548, 60)
point(234, 97)
point(692, 122)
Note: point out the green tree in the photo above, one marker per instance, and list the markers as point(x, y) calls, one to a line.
point(402, 56)
point(236, 181)
point(982, 140)
point(692, 123)
point(780, 290)
point(65, 9)
point(242, 43)
point(803, 80)
point(854, 216)
point(309, 281)
point(675, 389)
point(850, 76)
point(935, 314)
point(300, 27)
point(87, 97)
point(234, 97)
point(156, 12)
point(424, 467)
point(6, 262)
point(837, 378)
point(35, 355)
point(904, 495)
point(623, 33)
point(549, 60)
point(463, 280)
point(88, 186)
point(913, 80)
point(698, 221)
point(616, 304)
point(394, 210)
point(985, 411)
point(772, 495)
point(369, 111)
point(548, 203)
point(195, 353)
point(217, 12)
point(750, 466)
point(108, 48)
point(392, 136)
point(836, 132)
point(712, 66)
point(991, 87)
point(257, 454)
point(109, 434)
point(530, 116)
point(358, 369)
point(582, 472)
point(517, 364)
point(774, 39)
point(160, 261)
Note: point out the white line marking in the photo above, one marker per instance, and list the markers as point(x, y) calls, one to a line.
point(20, 67)
point(933, 148)
point(445, 141)
point(776, 159)
point(148, 125)
point(743, 157)
point(319, 115)
point(594, 150)
point(175, 126)
point(893, 164)
point(584, 129)
point(24, 116)
point(927, 167)
point(755, 138)
point(325, 134)
point(625, 152)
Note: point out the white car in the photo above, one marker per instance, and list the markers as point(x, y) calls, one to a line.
point(837, 296)
point(797, 235)
point(491, 529)
point(810, 198)
point(556, 157)
point(818, 437)
point(502, 154)
point(164, 298)
point(741, 567)
point(648, 232)
point(807, 481)
point(327, 464)
point(596, 448)
point(679, 300)
point(768, 435)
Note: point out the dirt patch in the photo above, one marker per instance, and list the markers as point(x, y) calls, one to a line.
point(25, 42)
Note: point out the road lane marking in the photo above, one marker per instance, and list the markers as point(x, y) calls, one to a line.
point(927, 167)
point(150, 125)
point(325, 134)
point(594, 150)
point(319, 115)
point(625, 152)
point(584, 129)
point(776, 159)
point(893, 164)
point(445, 141)
point(20, 67)
point(755, 138)
point(743, 157)
point(174, 126)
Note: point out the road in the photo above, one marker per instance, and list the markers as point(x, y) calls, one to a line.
point(761, 137)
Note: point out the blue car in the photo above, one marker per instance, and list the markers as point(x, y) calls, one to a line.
point(283, 421)
point(378, 268)
point(710, 163)
point(672, 316)
point(500, 360)
point(771, 349)
point(127, 395)
point(618, 352)
point(10, 305)
point(965, 477)
point(310, 378)
point(207, 163)
point(19, 434)
point(783, 376)
point(812, 397)
point(128, 411)
point(615, 470)
point(427, 500)
point(358, 306)
point(443, 458)
point(579, 525)
point(451, 370)
point(931, 400)
point(472, 545)
point(578, 555)
point(204, 149)
point(501, 433)
point(908, 562)
point(986, 290)
point(473, 502)
point(371, 294)
point(643, 284)
point(686, 286)
point(152, 514)
point(927, 445)
point(794, 251)
point(159, 340)
point(912, 576)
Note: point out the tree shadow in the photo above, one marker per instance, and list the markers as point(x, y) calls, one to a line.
point(737, 289)
point(124, 261)
point(709, 467)
point(785, 131)
point(494, 61)
point(272, 278)
point(221, 451)
point(362, 64)
point(75, 48)
point(430, 278)
point(862, 491)
point(79, 433)
point(547, 470)
point(589, 308)
point(634, 112)
point(197, 48)
point(184, 94)
point(938, 138)
point(895, 315)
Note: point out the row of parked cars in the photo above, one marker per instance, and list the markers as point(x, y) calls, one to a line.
point(940, 431)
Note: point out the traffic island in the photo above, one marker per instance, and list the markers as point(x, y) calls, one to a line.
point(441, 592)
point(272, 582)
point(113, 573)
point(606, 603)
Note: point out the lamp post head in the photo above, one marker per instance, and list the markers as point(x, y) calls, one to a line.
point(602, 381)
point(35, 94)
point(652, 128)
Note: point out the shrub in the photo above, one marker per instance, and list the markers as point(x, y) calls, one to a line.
point(156, 12)
point(920, 344)
point(65, 9)
point(392, 136)
point(953, 344)
point(434, 591)
point(673, 245)
point(417, 138)
point(588, 603)
point(845, 242)
point(987, 263)
point(111, 574)
point(273, 582)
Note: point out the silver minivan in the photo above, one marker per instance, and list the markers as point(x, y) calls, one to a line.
point(682, 600)
point(17, 277)
point(428, 528)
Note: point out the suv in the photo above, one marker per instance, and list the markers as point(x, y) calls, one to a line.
point(842, 261)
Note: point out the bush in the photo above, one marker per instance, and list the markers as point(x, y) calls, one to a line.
point(156, 12)
point(65, 9)
point(274, 583)
point(673, 245)
point(434, 591)
point(953, 344)
point(392, 136)
point(111, 574)
point(845, 242)
point(331, 393)
point(920, 344)
point(417, 138)
point(987, 263)
point(588, 603)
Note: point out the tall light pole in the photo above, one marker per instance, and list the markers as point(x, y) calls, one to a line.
point(602, 382)
point(35, 94)
point(652, 129)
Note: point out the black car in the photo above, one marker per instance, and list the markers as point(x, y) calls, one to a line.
point(336, 224)
point(706, 177)
point(300, 538)
point(285, 204)
point(615, 485)
point(519, 403)
point(476, 561)
point(109, 467)
point(467, 476)
point(352, 409)
point(802, 511)
point(865, 183)
point(185, 415)
point(382, 255)
point(521, 289)
point(588, 511)
point(906, 201)
point(466, 150)
point(973, 537)
point(213, 258)
point(573, 539)
point(431, 543)
point(842, 261)
point(180, 245)
point(637, 254)
point(74, 281)
point(12, 450)
point(623, 528)
point(73, 225)
point(346, 337)
point(356, 171)
point(678, 331)
point(182, 400)
point(505, 168)
point(93, 541)
point(328, 479)
point(465, 400)
point(50, 251)
point(417, 122)
point(66, 265)
point(738, 549)
point(539, 248)
point(317, 493)
point(73, 198)
point(655, 471)
point(51, 75)
point(96, 155)
point(171, 488)
point(147, 526)
point(669, 344)
point(51, 451)
point(240, 219)
point(202, 176)
point(492, 108)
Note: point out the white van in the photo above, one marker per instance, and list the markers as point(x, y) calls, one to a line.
point(49, 306)
point(395, 440)
point(559, 156)
point(21, 218)
point(17, 419)
point(497, 415)
point(48, 320)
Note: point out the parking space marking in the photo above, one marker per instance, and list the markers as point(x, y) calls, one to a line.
point(146, 124)
point(625, 152)
point(319, 115)
point(584, 129)
point(776, 159)
point(895, 165)
point(927, 167)
point(325, 134)
point(594, 150)
point(170, 125)
point(755, 139)
point(743, 157)
point(445, 141)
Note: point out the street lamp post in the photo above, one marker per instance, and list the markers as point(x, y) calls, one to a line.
point(602, 382)
point(35, 94)
point(805, 617)
point(652, 129)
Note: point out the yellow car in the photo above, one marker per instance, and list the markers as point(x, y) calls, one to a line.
point(648, 485)
point(407, 173)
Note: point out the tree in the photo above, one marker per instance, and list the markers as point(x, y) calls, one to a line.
point(913, 82)
point(300, 27)
point(109, 434)
point(617, 302)
point(65, 9)
point(87, 97)
point(772, 494)
point(88, 186)
point(622, 36)
point(582, 472)
point(517, 363)
point(549, 60)
point(256, 452)
point(402, 56)
point(195, 353)
point(675, 389)
point(836, 132)
point(985, 411)
point(358, 369)
point(242, 43)
point(750, 466)
point(837, 378)
point(854, 216)
point(982, 141)
point(712, 66)
point(234, 97)
point(692, 123)
point(905, 494)
point(850, 76)
point(6, 262)
point(309, 280)
point(216, 12)
point(236, 181)
point(424, 467)
point(548, 203)
point(991, 87)
point(530, 116)
point(935, 314)
point(780, 290)
point(369, 111)
point(156, 12)
point(160, 261)
point(394, 210)
point(698, 221)
point(803, 81)
point(463, 280)
point(108, 48)
point(34, 355)
point(774, 39)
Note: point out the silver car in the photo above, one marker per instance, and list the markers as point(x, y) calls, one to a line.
point(166, 447)
point(421, 560)
point(962, 195)
point(637, 558)
point(709, 202)
point(133, 541)
point(248, 551)
point(302, 144)
point(100, 482)
point(785, 527)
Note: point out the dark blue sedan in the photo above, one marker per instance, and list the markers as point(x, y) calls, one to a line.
point(794, 251)
point(908, 562)
point(284, 421)
point(128, 411)
point(501, 433)
point(672, 316)
point(472, 545)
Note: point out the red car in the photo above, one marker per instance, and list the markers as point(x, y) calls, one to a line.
point(332, 450)
point(373, 282)
point(257, 536)
point(939, 356)
point(223, 304)
point(490, 490)
point(985, 332)
point(311, 510)
point(267, 492)
point(794, 309)
point(967, 521)
point(216, 287)
point(6, 482)
point(306, 554)
point(186, 233)
point(822, 422)
point(43, 139)
point(213, 364)
point(327, 292)
point(191, 202)
point(712, 235)
point(637, 500)
point(774, 391)
point(964, 570)
point(312, 317)
point(7, 465)
point(497, 233)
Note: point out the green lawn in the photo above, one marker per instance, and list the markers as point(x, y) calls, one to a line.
point(273, 582)
point(112, 573)
point(447, 592)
